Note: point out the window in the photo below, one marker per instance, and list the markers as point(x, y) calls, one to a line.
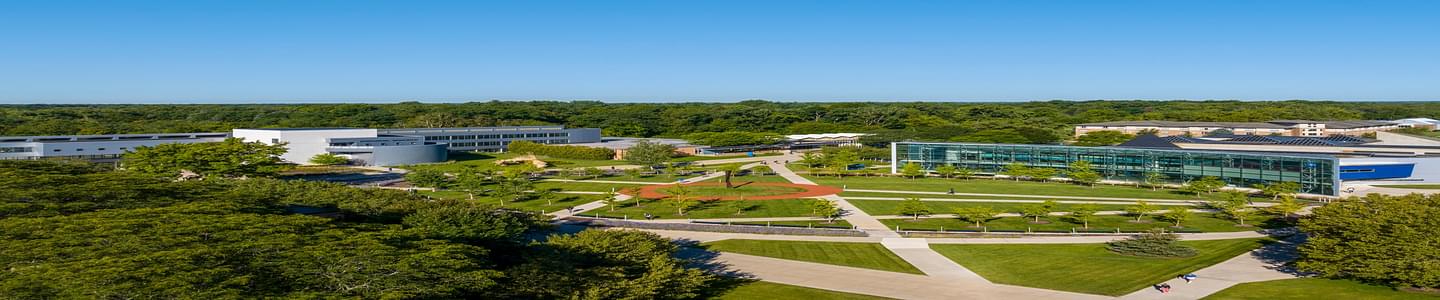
point(274, 141)
point(15, 149)
point(57, 150)
point(101, 149)
point(1358, 171)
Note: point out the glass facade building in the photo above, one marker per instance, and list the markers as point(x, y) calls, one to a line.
point(1316, 174)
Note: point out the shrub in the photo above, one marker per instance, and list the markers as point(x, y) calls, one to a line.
point(571, 152)
point(1151, 244)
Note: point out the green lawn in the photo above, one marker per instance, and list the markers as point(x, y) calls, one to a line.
point(711, 209)
point(564, 200)
point(1312, 288)
point(892, 207)
point(859, 255)
point(1201, 222)
point(816, 224)
point(1412, 186)
point(751, 178)
point(767, 290)
point(582, 186)
point(985, 186)
point(739, 190)
point(1087, 268)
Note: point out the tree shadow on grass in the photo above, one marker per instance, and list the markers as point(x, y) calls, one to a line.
point(699, 256)
point(1280, 255)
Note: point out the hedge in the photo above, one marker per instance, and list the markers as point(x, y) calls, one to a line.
point(571, 152)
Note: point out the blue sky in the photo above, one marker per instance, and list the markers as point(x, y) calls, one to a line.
point(645, 51)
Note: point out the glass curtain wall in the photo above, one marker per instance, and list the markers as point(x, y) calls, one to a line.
point(1315, 174)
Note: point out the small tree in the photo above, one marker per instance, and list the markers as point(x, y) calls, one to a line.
point(1239, 213)
point(1287, 206)
point(964, 173)
point(1207, 184)
point(471, 183)
point(1277, 189)
point(1154, 180)
point(680, 199)
point(976, 214)
point(739, 206)
point(1084, 212)
point(1015, 170)
point(1177, 215)
point(329, 159)
point(945, 171)
point(827, 209)
point(762, 170)
point(1041, 174)
point(1035, 211)
point(427, 178)
point(730, 171)
point(1141, 209)
point(914, 207)
point(1083, 173)
point(1151, 244)
point(912, 170)
point(612, 199)
point(594, 172)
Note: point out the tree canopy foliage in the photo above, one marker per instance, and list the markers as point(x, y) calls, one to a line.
point(1378, 238)
point(560, 151)
point(1027, 122)
point(733, 138)
point(230, 158)
point(73, 230)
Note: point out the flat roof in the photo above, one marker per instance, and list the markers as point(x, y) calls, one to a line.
point(301, 128)
point(1298, 155)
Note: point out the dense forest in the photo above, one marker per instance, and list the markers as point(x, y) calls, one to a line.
point(1025, 122)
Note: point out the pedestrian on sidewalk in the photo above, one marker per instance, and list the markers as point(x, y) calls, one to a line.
point(951, 192)
point(1164, 288)
point(1189, 277)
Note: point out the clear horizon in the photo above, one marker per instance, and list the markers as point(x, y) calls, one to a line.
point(97, 52)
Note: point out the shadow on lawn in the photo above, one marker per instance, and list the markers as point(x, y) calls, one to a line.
point(1280, 255)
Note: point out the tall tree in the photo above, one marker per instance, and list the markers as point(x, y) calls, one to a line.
point(649, 154)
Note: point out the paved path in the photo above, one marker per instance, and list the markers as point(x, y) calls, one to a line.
point(1260, 265)
point(1018, 239)
point(578, 209)
point(883, 217)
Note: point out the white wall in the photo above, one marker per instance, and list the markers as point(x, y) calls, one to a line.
point(301, 144)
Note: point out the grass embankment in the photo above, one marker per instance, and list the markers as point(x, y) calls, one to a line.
point(711, 209)
point(1087, 268)
point(767, 290)
point(1313, 288)
point(986, 186)
point(1199, 222)
point(859, 255)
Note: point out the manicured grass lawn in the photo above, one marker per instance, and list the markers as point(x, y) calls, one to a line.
point(859, 255)
point(711, 209)
point(643, 178)
point(751, 178)
point(892, 207)
point(1201, 222)
point(739, 190)
point(1087, 268)
point(987, 186)
point(564, 200)
point(816, 224)
point(909, 195)
point(767, 290)
point(1412, 186)
point(1312, 288)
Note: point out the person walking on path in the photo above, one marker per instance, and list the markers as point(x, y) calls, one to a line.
point(1164, 288)
point(1189, 277)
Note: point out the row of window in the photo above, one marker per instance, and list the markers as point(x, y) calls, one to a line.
point(16, 149)
point(502, 143)
point(496, 136)
point(83, 149)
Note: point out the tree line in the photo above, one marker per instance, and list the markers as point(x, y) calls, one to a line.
point(1025, 122)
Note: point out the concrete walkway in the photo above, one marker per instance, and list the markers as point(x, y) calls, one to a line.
point(885, 217)
point(579, 209)
point(1257, 204)
point(1264, 264)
